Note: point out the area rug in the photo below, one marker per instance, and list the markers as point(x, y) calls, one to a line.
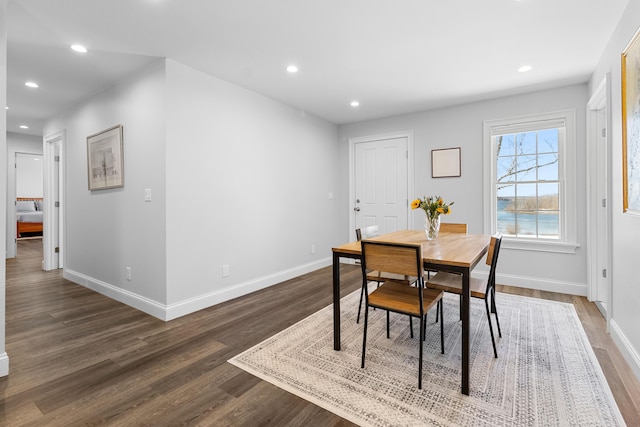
point(546, 373)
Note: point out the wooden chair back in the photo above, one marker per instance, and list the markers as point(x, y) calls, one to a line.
point(398, 258)
point(452, 227)
point(367, 232)
point(492, 258)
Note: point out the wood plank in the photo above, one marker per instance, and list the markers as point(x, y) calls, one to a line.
point(79, 358)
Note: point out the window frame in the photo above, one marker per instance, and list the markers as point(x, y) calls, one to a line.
point(567, 243)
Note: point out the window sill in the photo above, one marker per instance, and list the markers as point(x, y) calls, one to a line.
point(539, 246)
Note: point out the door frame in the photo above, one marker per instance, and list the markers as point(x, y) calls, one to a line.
point(352, 171)
point(51, 227)
point(12, 183)
point(600, 99)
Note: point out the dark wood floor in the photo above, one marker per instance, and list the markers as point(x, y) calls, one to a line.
point(79, 358)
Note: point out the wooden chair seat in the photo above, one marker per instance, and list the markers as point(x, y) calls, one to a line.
point(380, 277)
point(400, 298)
point(451, 282)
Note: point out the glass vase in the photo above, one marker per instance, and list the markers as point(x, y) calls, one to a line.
point(431, 226)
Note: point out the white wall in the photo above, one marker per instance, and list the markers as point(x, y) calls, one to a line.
point(29, 176)
point(461, 126)
point(236, 178)
point(4, 359)
point(17, 143)
point(625, 317)
point(109, 230)
point(248, 181)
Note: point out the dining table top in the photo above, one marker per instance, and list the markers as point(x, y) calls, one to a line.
point(455, 249)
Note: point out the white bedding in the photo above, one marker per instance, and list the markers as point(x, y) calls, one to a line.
point(29, 216)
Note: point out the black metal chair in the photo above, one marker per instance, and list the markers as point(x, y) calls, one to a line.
point(373, 275)
point(399, 296)
point(450, 282)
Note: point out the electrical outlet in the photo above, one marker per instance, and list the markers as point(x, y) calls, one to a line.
point(128, 273)
point(313, 249)
point(225, 270)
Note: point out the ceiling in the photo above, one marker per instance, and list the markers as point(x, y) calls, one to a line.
point(394, 57)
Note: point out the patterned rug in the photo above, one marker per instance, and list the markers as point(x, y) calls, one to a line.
point(546, 373)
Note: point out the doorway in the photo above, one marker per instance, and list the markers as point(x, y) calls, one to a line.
point(53, 197)
point(381, 179)
point(24, 181)
point(599, 211)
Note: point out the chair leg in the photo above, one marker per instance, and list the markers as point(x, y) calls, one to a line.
point(495, 311)
point(422, 336)
point(364, 335)
point(411, 325)
point(360, 304)
point(493, 340)
point(460, 305)
point(441, 325)
point(387, 323)
point(424, 321)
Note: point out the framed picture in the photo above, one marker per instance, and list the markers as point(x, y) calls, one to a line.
point(631, 125)
point(445, 163)
point(104, 159)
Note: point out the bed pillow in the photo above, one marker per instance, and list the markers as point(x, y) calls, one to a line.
point(25, 206)
point(40, 205)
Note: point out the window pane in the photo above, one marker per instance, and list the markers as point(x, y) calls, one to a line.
point(526, 224)
point(506, 218)
point(526, 167)
point(548, 197)
point(505, 169)
point(548, 167)
point(548, 141)
point(526, 197)
point(526, 143)
point(505, 145)
point(548, 224)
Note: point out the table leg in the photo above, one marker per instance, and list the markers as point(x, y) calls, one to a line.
point(336, 302)
point(465, 331)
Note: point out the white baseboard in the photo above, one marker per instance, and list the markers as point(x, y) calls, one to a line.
point(540, 284)
point(182, 308)
point(207, 300)
point(4, 365)
point(630, 354)
point(131, 299)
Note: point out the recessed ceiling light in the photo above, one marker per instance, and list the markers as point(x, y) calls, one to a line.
point(79, 48)
point(6, 108)
point(355, 103)
point(525, 68)
point(292, 69)
point(31, 84)
point(24, 127)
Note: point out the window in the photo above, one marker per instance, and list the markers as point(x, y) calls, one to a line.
point(530, 192)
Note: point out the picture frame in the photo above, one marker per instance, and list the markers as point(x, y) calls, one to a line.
point(631, 125)
point(446, 163)
point(105, 160)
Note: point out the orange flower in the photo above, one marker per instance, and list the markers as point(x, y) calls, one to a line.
point(415, 204)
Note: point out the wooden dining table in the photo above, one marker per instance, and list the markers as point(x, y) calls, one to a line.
point(452, 252)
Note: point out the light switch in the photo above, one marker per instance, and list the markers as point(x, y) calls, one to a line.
point(147, 194)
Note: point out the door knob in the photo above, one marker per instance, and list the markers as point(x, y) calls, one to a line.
point(357, 209)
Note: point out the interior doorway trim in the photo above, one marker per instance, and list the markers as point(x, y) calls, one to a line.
point(601, 99)
point(11, 197)
point(53, 233)
point(352, 179)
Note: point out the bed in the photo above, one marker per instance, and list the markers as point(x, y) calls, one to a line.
point(29, 215)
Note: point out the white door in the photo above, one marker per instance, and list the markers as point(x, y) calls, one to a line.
point(53, 195)
point(602, 220)
point(381, 178)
